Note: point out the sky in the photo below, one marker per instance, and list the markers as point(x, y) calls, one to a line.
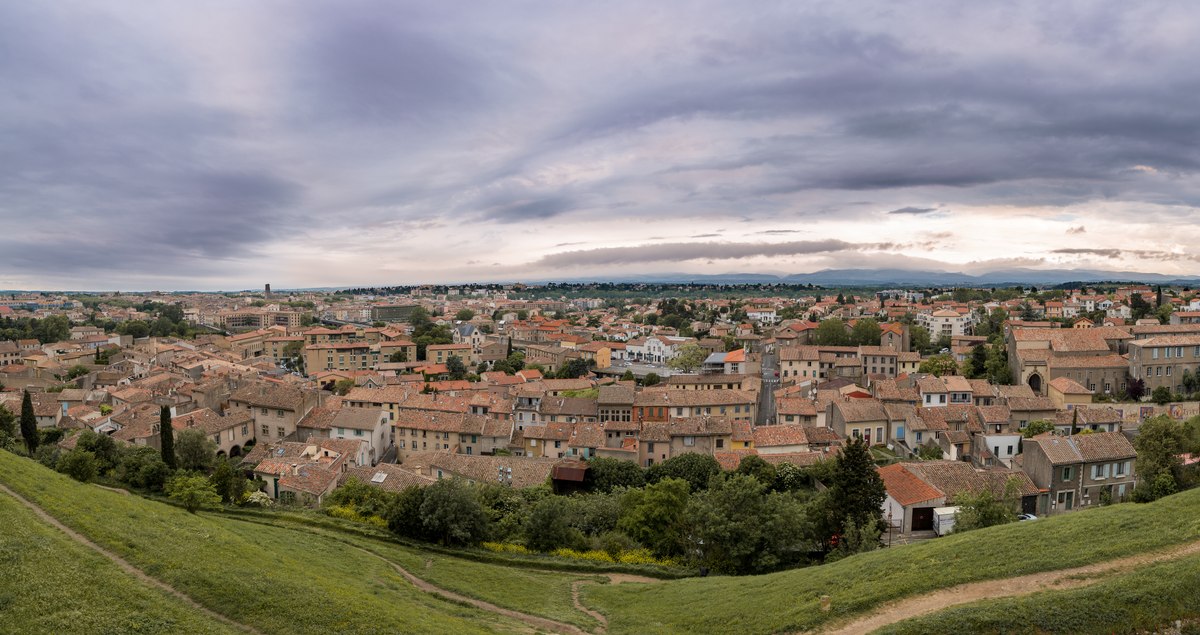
point(226, 144)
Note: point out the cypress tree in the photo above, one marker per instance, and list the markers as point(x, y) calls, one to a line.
point(29, 430)
point(166, 436)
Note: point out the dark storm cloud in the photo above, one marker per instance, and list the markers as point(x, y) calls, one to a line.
point(677, 252)
point(1144, 254)
point(914, 210)
point(1077, 230)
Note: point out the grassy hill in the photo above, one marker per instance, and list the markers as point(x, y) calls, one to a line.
point(277, 575)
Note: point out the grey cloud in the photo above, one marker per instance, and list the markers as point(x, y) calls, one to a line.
point(780, 232)
point(706, 236)
point(914, 210)
point(1077, 230)
point(674, 252)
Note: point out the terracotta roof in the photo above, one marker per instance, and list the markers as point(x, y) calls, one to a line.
point(904, 487)
point(1068, 386)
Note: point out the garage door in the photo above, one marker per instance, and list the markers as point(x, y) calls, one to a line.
point(922, 519)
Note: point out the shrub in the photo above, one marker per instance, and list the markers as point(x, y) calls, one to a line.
point(80, 465)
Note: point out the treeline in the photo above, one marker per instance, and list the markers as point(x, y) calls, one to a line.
point(52, 329)
point(686, 510)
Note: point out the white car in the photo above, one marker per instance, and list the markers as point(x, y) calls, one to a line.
point(1026, 517)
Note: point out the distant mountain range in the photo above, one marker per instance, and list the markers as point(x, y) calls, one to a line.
point(907, 278)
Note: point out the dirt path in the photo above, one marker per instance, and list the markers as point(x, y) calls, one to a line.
point(1006, 587)
point(123, 564)
point(596, 615)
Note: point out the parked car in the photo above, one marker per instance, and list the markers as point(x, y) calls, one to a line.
point(1026, 517)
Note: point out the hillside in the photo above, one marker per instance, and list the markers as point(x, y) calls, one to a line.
point(272, 574)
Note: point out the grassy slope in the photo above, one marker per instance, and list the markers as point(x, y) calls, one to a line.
point(789, 600)
point(277, 580)
point(1140, 601)
point(541, 593)
point(51, 584)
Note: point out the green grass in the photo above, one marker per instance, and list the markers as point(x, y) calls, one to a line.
point(790, 600)
point(52, 584)
point(1141, 601)
point(542, 593)
point(277, 580)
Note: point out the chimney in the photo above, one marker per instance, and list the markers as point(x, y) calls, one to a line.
point(295, 469)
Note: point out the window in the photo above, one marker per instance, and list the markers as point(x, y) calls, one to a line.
point(679, 412)
point(1154, 353)
point(245, 429)
point(281, 432)
point(341, 431)
point(1066, 473)
point(941, 398)
point(400, 444)
point(266, 431)
point(278, 413)
point(217, 439)
point(689, 441)
point(1010, 450)
point(1169, 370)
point(720, 443)
point(558, 444)
point(1121, 469)
point(358, 433)
point(264, 410)
point(650, 447)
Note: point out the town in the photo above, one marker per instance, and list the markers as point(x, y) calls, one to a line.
point(1039, 396)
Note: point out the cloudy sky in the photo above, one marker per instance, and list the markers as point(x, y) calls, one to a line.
point(221, 145)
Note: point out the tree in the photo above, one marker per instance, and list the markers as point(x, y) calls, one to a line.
point(856, 490)
point(166, 435)
point(655, 516)
point(998, 370)
point(738, 526)
point(343, 386)
point(1159, 443)
point(464, 315)
point(228, 483)
point(919, 339)
point(938, 365)
point(689, 357)
point(695, 469)
point(193, 492)
point(78, 464)
point(651, 379)
point(29, 431)
point(574, 368)
point(143, 467)
point(985, 509)
point(605, 474)
point(976, 365)
point(1036, 427)
point(451, 513)
point(866, 332)
point(757, 467)
point(548, 527)
point(403, 513)
point(1135, 388)
point(195, 450)
point(76, 371)
point(8, 423)
point(455, 367)
point(1161, 395)
point(628, 376)
point(102, 447)
point(832, 332)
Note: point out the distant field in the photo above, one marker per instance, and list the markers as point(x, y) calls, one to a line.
point(51, 584)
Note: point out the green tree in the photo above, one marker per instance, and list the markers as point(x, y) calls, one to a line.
point(919, 339)
point(102, 447)
point(166, 435)
point(193, 492)
point(606, 474)
point(976, 365)
point(656, 516)
point(1161, 395)
point(451, 513)
point(689, 358)
point(464, 315)
point(455, 367)
point(757, 467)
point(739, 527)
point(832, 332)
point(651, 379)
point(695, 469)
point(1036, 427)
point(228, 483)
point(8, 423)
point(985, 509)
point(938, 365)
point(998, 370)
point(76, 371)
point(866, 332)
point(403, 513)
point(549, 527)
point(1159, 442)
point(195, 450)
point(29, 431)
point(343, 386)
point(78, 464)
point(574, 368)
point(143, 467)
point(856, 490)
point(628, 376)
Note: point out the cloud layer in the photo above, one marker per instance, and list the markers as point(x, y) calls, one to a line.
point(354, 142)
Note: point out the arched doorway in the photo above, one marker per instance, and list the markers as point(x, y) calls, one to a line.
point(235, 451)
point(1035, 382)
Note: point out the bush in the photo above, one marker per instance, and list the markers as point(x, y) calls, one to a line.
point(108, 456)
point(694, 468)
point(451, 513)
point(143, 468)
point(47, 455)
point(403, 513)
point(80, 465)
point(193, 492)
point(549, 526)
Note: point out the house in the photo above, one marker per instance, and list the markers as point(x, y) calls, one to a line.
point(370, 426)
point(275, 408)
point(230, 433)
point(915, 489)
point(1079, 470)
point(302, 472)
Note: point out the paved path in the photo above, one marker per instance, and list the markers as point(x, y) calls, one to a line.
point(123, 564)
point(1006, 587)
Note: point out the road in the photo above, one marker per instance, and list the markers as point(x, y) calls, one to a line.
point(770, 382)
